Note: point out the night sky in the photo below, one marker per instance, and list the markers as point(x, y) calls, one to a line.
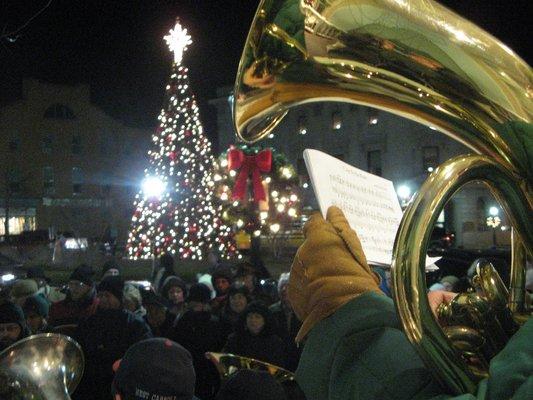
point(116, 46)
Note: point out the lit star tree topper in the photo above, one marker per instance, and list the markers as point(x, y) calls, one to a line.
point(178, 40)
point(176, 211)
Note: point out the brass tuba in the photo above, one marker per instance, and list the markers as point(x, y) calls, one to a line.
point(228, 364)
point(419, 60)
point(45, 367)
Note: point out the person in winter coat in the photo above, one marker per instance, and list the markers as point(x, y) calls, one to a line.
point(174, 291)
point(81, 301)
point(12, 324)
point(22, 289)
point(221, 278)
point(104, 337)
point(238, 299)
point(38, 275)
point(287, 323)
point(36, 309)
point(199, 332)
point(158, 317)
point(110, 268)
point(132, 300)
point(166, 269)
point(256, 337)
point(246, 274)
point(355, 347)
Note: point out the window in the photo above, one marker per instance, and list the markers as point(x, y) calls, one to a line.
point(47, 143)
point(14, 144)
point(374, 162)
point(77, 180)
point(302, 125)
point(430, 158)
point(336, 120)
point(372, 116)
point(48, 181)
point(317, 109)
point(76, 144)
point(59, 111)
point(339, 156)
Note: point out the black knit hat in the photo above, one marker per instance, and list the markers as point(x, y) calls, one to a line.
point(173, 281)
point(250, 384)
point(151, 298)
point(156, 368)
point(222, 272)
point(12, 313)
point(113, 285)
point(200, 293)
point(84, 273)
point(258, 308)
point(111, 265)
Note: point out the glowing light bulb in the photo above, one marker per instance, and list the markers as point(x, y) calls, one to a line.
point(275, 228)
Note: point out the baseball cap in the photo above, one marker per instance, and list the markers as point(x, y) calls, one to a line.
point(155, 368)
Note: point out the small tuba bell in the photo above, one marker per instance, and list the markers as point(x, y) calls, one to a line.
point(228, 364)
point(41, 367)
point(419, 60)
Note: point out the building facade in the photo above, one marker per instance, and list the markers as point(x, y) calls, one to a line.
point(65, 165)
point(384, 144)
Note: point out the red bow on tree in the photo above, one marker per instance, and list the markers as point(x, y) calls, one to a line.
point(254, 165)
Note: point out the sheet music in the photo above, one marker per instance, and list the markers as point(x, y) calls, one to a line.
point(369, 203)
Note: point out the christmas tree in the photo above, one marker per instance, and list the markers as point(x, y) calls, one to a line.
point(175, 211)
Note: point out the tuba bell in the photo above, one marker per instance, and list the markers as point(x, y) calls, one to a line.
point(41, 367)
point(419, 60)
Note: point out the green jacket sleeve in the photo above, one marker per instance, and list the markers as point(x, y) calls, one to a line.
point(361, 352)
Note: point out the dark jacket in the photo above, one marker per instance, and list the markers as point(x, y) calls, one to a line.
point(165, 329)
point(200, 332)
point(104, 338)
point(287, 327)
point(361, 352)
point(266, 346)
point(68, 311)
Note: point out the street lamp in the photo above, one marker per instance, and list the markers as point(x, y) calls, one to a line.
point(404, 193)
point(493, 220)
point(153, 187)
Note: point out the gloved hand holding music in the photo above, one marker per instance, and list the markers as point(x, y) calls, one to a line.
point(328, 270)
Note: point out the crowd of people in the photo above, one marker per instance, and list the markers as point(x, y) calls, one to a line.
point(230, 312)
point(331, 320)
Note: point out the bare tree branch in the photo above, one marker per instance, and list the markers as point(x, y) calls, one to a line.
point(10, 35)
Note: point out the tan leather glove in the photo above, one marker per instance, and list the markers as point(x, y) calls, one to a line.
point(329, 270)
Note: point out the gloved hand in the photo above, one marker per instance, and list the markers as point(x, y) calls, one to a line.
point(329, 270)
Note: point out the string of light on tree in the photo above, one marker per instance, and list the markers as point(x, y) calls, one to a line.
point(281, 187)
point(184, 220)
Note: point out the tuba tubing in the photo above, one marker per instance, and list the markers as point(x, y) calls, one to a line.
point(419, 60)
